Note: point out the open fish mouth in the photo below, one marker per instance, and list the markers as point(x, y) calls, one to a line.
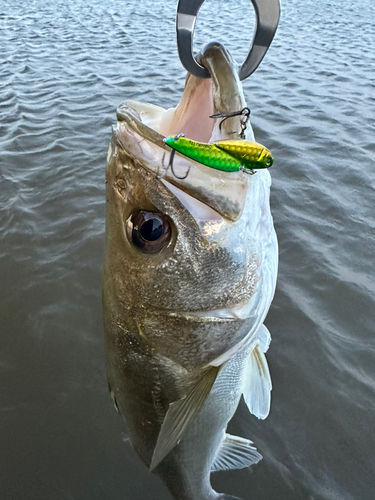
point(141, 129)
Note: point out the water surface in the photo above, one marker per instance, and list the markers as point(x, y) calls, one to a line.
point(64, 68)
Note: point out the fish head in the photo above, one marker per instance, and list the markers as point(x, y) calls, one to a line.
point(183, 255)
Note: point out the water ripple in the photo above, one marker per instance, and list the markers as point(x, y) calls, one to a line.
point(66, 65)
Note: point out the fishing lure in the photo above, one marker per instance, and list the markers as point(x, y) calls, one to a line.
point(227, 155)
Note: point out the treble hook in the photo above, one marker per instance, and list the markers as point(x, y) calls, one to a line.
point(267, 14)
point(247, 171)
point(245, 115)
point(170, 164)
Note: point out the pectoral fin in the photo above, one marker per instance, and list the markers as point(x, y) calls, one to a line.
point(180, 414)
point(264, 338)
point(235, 453)
point(257, 384)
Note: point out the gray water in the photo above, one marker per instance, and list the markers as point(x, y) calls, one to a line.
point(64, 67)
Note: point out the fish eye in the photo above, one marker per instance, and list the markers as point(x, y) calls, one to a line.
point(151, 231)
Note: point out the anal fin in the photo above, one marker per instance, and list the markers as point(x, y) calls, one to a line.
point(235, 453)
point(257, 384)
point(180, 414)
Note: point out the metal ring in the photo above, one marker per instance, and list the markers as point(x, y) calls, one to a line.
point(267, 13)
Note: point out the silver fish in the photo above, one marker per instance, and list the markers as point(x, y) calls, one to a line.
point(189, 275)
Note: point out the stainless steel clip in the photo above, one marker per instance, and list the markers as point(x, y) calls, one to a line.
point(267, 14)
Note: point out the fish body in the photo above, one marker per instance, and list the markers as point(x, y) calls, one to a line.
point(189, 275)
point(226, 155)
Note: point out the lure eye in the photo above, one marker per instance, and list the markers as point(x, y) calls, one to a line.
point(268, 161)
point(151, 231)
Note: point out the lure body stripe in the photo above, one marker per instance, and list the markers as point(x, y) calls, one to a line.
point(228, 156)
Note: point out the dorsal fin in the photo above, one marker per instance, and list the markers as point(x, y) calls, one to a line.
point(257, 384)
point(180, 414)
point(235, 453)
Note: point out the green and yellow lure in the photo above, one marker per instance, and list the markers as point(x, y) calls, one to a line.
point(228, 155)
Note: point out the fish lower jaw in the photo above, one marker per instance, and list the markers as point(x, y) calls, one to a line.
point(239, 312)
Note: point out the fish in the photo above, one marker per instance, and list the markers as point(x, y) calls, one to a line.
point(229, 155)
point(189, 274)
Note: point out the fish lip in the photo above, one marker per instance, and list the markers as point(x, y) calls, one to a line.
point(237, 312)
point(224, 314)
point(219, 315)
point(203, 315)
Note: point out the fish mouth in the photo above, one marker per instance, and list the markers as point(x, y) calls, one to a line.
point(141, 129)
point(235, 313)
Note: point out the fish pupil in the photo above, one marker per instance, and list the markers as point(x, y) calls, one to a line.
point(151, 230)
